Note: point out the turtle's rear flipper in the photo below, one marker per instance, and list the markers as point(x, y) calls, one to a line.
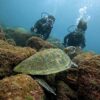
point(45, 85)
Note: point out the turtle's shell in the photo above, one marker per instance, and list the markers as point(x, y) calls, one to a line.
point(45, 62)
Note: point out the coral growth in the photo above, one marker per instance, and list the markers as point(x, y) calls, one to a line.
point(2, 34)
point(10, 56)
point(89, 79)
point(86, 79)
point(19, 35)
point(11, 41)
point(71, 78)
point(20, 87)
point(64, 92)
point(56, 42)
point(38, 43)
point(82, 83)
point(83, 56)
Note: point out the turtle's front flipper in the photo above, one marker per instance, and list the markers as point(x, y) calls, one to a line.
point(45, 85)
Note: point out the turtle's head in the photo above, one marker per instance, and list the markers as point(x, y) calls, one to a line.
point(70, 50)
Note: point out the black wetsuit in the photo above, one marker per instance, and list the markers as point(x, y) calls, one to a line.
point(43, 28)
point(75, 39)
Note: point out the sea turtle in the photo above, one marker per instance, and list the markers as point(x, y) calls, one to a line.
point(46, 62)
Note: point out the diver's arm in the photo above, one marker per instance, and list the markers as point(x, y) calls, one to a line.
point(36, 28)
point(66, 39)
point(38, 23)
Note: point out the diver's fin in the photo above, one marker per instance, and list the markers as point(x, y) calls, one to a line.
point(45, 85)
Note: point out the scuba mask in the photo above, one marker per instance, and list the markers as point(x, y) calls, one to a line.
point(49, 19)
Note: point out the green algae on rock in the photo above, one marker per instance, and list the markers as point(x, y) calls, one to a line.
point(83, 56)
point(11, 55)
point(11, 41)
point(2, 34)
point(19, 35)
point(64, 92)
point(38, 43)
point(20, 87)
point(89, 79)
point(55, 42)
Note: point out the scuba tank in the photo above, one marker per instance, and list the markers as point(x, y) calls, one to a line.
point(71, 28)
point(81, 26)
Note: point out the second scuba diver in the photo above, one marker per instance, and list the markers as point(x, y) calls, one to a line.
point(77, 37)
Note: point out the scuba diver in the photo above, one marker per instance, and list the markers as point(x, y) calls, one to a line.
point(77, 37)
point(43, 26)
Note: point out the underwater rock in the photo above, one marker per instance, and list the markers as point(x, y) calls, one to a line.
point(11, 41)
point(38, 43)
point(20, 30)
point(83, 56)
point(64, 92)
point(56, 42)
point(20, 87)
point(2, 34)
point(89, 79)
point(11, 55)
point(19, 35)
point(46, 65)
point(71, 78)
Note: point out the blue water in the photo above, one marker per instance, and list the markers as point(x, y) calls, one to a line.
point(25, 13)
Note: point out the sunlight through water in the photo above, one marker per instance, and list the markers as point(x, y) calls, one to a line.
point(56, 4)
